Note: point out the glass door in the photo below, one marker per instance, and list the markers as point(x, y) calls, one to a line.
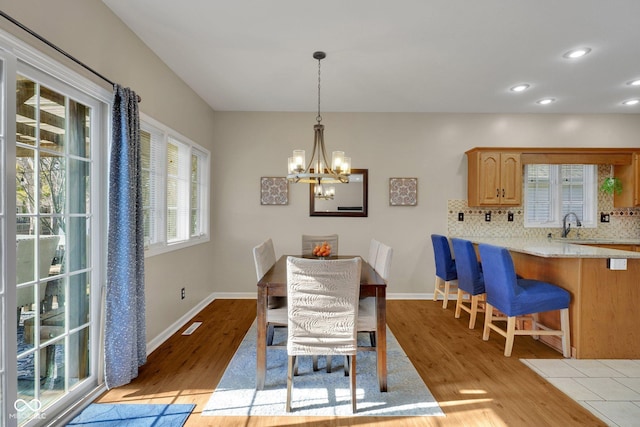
point(54, 227)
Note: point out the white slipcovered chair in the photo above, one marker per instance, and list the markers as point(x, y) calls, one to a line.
point(310, 241)
point(373, 252)
point(314, 289)
point(367, 309)
point(264, 257)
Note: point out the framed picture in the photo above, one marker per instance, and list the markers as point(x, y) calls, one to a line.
point(274, 190)
point(403, 191)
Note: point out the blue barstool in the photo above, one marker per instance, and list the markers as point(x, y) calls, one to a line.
point(519, 297)
point(445, 269)
point(470, 279)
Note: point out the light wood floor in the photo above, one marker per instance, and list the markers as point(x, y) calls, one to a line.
point(472, 381)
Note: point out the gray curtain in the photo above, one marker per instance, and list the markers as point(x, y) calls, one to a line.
point(125, 334)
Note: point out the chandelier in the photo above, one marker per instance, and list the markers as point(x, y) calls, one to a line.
point(318, 171)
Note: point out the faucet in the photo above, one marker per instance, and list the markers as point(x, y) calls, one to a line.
point(565, 228)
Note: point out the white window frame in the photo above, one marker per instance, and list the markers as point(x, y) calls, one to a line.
point(159, 242)
point(555, 217)
point(21, 58)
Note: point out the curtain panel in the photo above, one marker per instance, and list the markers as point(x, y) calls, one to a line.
point(125, 333)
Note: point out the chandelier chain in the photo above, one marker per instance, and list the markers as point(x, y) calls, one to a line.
point(319, 117)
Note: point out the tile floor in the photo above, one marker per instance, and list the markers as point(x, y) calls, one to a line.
point(610, 389)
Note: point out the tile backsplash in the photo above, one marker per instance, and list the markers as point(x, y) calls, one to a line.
point(624, 223)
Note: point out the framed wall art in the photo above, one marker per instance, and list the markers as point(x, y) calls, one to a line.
point(274, 190)
point(403, 191)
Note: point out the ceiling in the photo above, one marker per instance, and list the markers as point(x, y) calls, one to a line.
point(397, 56)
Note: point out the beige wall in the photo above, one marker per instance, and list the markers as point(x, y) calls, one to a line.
point(246, 146)
point(427, 146)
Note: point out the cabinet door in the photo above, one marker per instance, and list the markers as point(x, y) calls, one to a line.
point(629, 175)
point(510, 179)
point(489, 179)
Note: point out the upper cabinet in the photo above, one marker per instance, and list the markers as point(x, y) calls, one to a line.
point(629, 175)
point(495, 173)
point(495, 178)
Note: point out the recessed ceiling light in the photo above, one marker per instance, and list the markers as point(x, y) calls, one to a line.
point(546, 101)
point(630, 102)
point(520, 88)
point(635, 82)
point(577, 53)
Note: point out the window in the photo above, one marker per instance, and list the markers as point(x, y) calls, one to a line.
point(175, 176)
point(552, 191)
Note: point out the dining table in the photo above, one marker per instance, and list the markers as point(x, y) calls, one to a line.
point(274, 283)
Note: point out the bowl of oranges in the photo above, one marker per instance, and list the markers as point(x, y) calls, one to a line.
point(322, 250)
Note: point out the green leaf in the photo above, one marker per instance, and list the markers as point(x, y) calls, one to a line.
point(611, 185)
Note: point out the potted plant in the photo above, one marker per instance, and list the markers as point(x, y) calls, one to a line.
point(611, 185)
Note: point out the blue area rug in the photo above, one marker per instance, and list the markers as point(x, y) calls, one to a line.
point(320, 393)
point(133, 415)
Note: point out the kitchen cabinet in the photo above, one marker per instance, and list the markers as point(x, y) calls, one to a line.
point(629, 175)
point(494, 178)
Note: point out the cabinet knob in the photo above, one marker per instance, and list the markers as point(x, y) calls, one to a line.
point(503, 192)
point(497, 192)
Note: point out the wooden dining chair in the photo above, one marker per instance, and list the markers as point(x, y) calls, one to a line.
point(520, 298)
point(264, 257)
point(322, 313)
point(310, 241)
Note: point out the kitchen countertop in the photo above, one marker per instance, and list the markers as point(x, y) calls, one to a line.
point(597, 241)
point(555, 248)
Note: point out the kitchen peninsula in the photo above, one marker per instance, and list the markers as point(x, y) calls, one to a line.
point(604, 297)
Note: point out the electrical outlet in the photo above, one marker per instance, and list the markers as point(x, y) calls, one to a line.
point(487, 216)
point(460, 216)
point(604, 217)
point(510, 216)
point(183, 293)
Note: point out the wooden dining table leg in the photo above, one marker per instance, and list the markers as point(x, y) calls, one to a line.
point(261, 344)
point(381, 332)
